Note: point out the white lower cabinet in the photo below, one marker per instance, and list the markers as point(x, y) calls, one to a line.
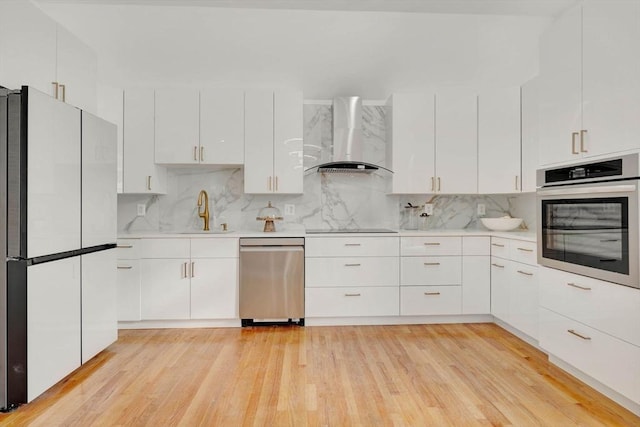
point(514, 284)
point(184, 279)
point(476, 275)
point(430, 300)
point(348, 277)
point(128, 280)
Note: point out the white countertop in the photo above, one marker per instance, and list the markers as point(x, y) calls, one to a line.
point(517, 235)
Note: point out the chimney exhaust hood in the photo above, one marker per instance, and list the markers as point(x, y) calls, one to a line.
point(347, 139)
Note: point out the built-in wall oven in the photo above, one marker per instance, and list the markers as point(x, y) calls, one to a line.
point(588, 219)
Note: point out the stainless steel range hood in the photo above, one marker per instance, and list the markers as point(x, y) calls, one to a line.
point(347, 139)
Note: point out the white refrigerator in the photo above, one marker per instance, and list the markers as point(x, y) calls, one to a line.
point(58, 211)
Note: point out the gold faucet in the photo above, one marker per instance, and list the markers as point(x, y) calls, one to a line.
point(204, 215)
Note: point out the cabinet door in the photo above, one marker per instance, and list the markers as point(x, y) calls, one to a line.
point(258, 142)
point(110, 108)
point(140, 174)
point(177, 126)
point(499, 141)
point(411, 142)
point(530, 136)
point(27, 46)
point(53, 176)
point(165, 292)
point(476, 285)
point(523, 299)
point(214, 288)
point(53, 322)
point(222, 126)
point(128, 290)
point(500, 289)
point(99, 198)
point(287, 142)
point(456, 142)
point(611, 66)
point(560, 88)
point(99, 302)
point(77, 70)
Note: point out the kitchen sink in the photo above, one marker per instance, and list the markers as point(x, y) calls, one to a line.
point(205, 232)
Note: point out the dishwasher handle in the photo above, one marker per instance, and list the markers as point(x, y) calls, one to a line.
point(247, 249)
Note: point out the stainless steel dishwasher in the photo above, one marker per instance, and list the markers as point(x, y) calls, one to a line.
point(272, 280)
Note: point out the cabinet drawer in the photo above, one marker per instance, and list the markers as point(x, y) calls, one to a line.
point(358, 271)
point(610, 308)
point(476, 245)
point(218, 247)
point(500, 247)
point(522, 251)
point(611, 361)
point(128, 249)
point(352, 301)
point(431, 246)
point(443, 270)
point(128, 289)
point(164, 248)
point(430, 300)
point(351, 246)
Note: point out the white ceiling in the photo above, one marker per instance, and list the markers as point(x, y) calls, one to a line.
point(481, 7)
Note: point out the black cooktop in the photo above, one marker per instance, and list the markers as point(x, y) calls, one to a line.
point(349, 230)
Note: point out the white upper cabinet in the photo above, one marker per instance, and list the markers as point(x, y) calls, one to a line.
point(177, 138)
point(140, 174)
point(499, 141)
point(456, 143)
point(411, 142)
point(36, 52)
point(273, 142)
point(530, 134)
point(222, 126)
point(589, 87)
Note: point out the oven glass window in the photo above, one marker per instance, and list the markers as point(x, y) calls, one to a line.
point(591, 232)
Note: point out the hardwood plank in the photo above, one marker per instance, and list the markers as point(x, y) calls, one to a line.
point(476, 374)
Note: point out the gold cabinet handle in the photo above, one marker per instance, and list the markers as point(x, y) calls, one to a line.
point(432, 293)
point(351, 295)
point(525, 273)
point(497, 265)
point(64, 93)
point(183, 271)
point(124, 246)
point(579, 335)
point(149, 182)
point(124, 267)
point(431, 263)
point(439, 188)
point(433, 183)
point(56, 86)
point(432, 244)
point(269, 183)
point(573, 143)
point(202, 154)
point(516, 182)
point(195, 154)
point(276, 181)
point(525, 250)
point(498, 245)
point(352, 265)
point(582, 149)
point(193, 269)
point(584, 288)
point(352, 244)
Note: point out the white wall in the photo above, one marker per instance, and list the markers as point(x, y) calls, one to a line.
point(323, 53)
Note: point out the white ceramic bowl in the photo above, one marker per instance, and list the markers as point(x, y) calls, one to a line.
point(501, 224)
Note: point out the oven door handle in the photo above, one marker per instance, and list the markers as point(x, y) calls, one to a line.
point(623, 188)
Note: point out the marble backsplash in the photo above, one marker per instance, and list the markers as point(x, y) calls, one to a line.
point(329, 201)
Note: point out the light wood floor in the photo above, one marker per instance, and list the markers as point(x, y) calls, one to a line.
point(420, 375)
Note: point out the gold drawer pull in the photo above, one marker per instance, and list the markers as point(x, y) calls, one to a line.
point(584, 337)
point(432, 293)
point(352, 265)
point(525, 250)
point(352, 244)
point(351, 295)
point(431, 263)
point(498, 245)
point(573, 143)
point(432, 244)
point(124, 246)
point(124, 267)
point(525, 273)
point(584, 288)
point(498, 265)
